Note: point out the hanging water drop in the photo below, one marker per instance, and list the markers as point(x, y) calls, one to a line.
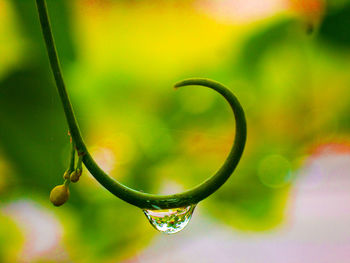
point(170, 221)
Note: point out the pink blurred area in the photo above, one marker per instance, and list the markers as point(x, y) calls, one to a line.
point(317, 227)
point(241, 10)
point(42, 232)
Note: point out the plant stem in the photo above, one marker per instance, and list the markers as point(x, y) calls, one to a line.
point(140, 199)
point(72, 158)
point(56, 70)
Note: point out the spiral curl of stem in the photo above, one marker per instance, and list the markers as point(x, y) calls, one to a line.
point(134, 197)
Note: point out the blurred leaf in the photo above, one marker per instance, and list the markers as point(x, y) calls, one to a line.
point(335, 26)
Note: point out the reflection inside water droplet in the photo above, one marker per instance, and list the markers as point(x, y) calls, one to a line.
point(170, 221)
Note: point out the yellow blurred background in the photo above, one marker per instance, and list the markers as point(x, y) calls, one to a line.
point(287, 61)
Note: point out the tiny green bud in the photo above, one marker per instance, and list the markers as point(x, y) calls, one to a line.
point(74, 177)
point(59, 195)
point(66, 175)
point(79, 171)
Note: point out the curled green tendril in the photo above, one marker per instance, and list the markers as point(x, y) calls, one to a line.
point(140, 199)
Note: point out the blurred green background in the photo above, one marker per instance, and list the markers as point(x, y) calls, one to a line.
point(120, 59)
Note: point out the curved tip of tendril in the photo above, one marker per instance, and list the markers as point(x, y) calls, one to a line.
point(190, 81)
point(177, 85)
point(185, 82)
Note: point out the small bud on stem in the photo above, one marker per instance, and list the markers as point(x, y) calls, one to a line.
point(66, 175)
point(59, 195)
point(74, 177)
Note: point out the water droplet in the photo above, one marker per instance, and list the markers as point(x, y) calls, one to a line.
point(170, 221)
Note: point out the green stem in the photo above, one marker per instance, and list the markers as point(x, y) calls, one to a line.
point(79, 164)
point(72, 157)
point(140, 199)
point(56, 70)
